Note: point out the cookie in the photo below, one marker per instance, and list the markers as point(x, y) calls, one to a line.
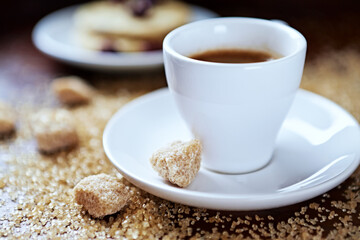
point(113, 43)
point(106, 17)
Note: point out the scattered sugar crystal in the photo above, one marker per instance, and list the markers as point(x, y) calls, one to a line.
point(50, 195)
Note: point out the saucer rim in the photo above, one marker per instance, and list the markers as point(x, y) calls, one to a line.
point(248, 201)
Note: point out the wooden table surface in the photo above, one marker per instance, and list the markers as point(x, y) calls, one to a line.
point(332, 31)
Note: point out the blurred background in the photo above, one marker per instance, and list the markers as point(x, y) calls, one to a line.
point(331, 28)
point(327, 24)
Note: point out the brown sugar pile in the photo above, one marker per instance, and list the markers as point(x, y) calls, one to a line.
point(7, 119)
point(72, 90)
point(54, 130)
point(179, 162)
point(101, 194)
point(36, 191)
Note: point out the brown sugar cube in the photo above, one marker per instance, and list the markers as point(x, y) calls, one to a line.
point(54, 130)
point(179, 162)
point(7, 119)
point(101, 194)
point(72, 90)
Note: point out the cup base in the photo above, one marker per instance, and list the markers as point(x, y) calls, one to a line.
point(239, 171)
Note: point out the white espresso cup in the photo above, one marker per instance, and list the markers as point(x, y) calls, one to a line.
point(235, 109)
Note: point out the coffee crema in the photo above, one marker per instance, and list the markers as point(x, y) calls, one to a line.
point(235, 55)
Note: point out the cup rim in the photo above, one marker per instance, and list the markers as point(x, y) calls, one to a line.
point(167, 46)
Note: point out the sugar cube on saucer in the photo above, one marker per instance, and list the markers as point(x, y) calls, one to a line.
point(179, 162)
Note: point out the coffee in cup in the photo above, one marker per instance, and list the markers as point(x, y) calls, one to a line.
point(235, 56)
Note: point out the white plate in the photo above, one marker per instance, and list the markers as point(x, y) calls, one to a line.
point(317, 149)
point(53, 36)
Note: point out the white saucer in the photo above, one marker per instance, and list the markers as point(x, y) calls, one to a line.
point(53, 36)
point(317, 149)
